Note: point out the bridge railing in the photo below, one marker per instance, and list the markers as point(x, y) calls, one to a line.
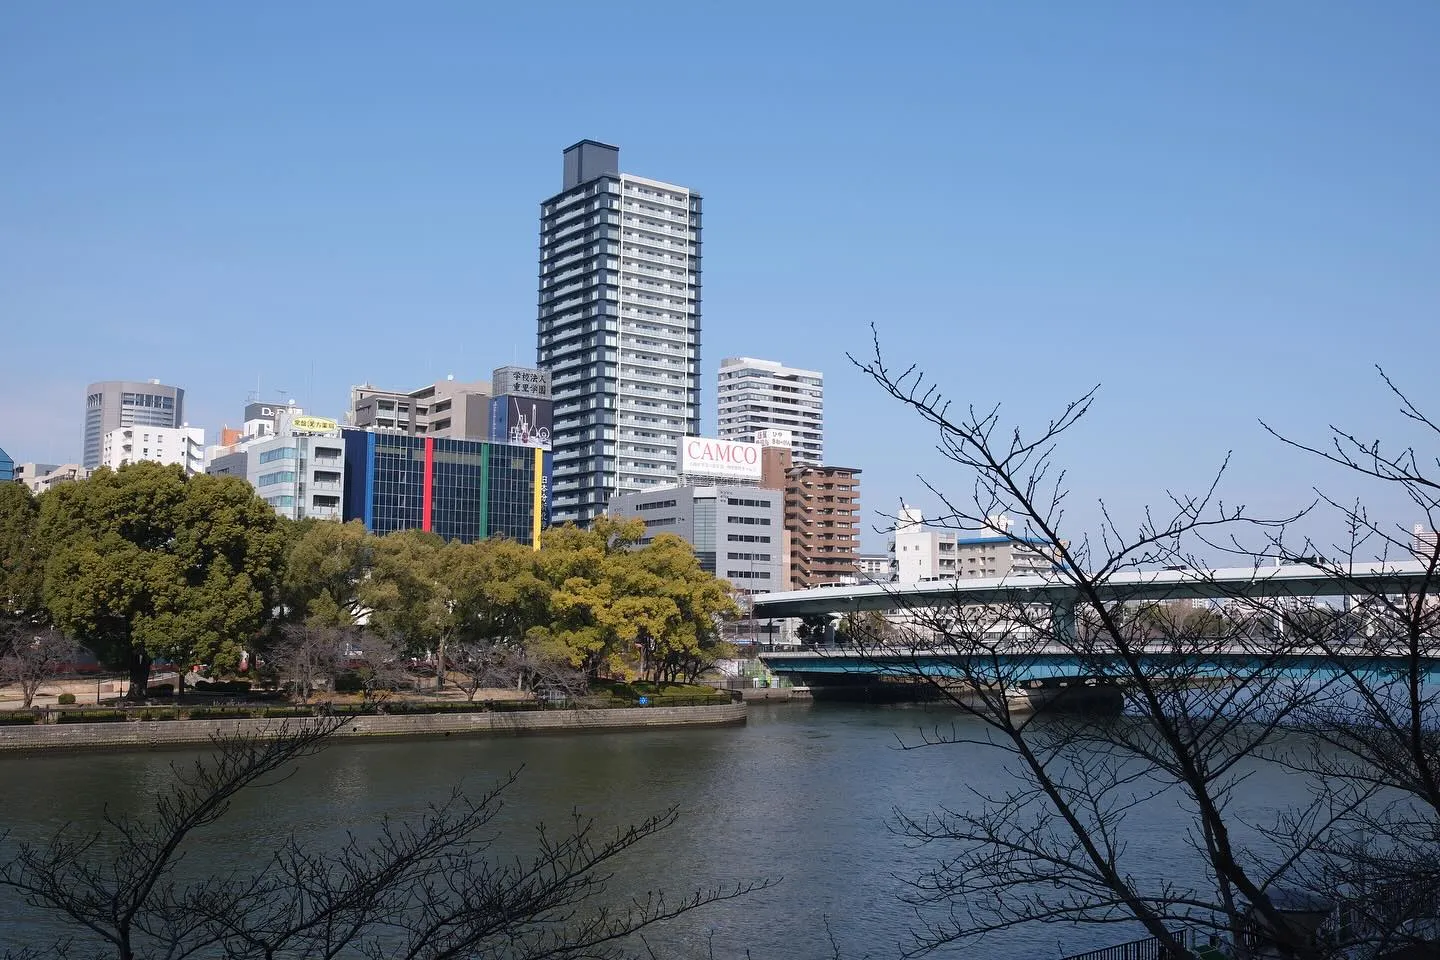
point(1149, 948)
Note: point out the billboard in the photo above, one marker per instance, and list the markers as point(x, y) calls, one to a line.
point(269, 411)
point(521, 382)
point(523, 420)
point(731, 459)
point(774, 437)
point(314, 424)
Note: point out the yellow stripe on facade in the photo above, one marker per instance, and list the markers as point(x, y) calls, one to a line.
point(535, 517)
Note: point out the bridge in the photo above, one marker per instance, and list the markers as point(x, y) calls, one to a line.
point(1058, 591)
point(1044, 663)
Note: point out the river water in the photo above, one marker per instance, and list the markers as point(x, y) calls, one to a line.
point(803, 794)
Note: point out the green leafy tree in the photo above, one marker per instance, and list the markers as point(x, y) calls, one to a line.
point(325, 565)
point(410, 594)
point(22, 558)
point(149, 563)
point(686, 640)
point(618, 603)
point(582, 568)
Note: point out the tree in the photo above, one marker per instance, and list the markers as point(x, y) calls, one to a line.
point(31, 657)
point(325, 566)
point(410, 594)
point(483, 664)
point(1063, 844)
point(424, 888)
point(148, 562)
point(677, 610)
point(614, 601)
point(307, 654)
point(22, 559)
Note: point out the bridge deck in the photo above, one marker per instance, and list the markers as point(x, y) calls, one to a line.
point(1057, 589)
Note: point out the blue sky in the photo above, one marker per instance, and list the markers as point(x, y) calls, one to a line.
point(1216, 211)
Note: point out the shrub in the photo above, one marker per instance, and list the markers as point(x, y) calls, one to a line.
point(65, 699)
point(221, 714)
point(222, 686)
point(288, 712)
point(16, 719)
point(92, 716)
point(161, 690)
point(167, 714)
point(349, 682)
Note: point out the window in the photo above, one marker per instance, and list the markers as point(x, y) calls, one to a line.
point(750, 521)
point(280, 476)
point(735, 502)
point(655, 505)
point(283, 453)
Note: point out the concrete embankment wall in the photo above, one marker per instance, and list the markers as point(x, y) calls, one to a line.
point(140, 734)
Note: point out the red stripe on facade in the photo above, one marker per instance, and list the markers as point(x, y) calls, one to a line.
point(428, 502)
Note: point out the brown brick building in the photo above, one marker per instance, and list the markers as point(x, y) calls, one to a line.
point(822, 518)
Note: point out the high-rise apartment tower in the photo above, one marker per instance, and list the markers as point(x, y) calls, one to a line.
point(123, 403)
point(759, 395)
point(619, 328)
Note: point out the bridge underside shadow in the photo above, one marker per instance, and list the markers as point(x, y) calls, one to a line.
point(1069, 694)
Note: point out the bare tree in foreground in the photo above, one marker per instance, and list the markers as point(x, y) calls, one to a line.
point(1209, 700)
point(423, 888)
point(31, 657)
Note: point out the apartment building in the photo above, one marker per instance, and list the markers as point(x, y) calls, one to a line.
point(921, 553)
point(184, 445)
point(822, 518)
point(618, 328)
point(756, 396)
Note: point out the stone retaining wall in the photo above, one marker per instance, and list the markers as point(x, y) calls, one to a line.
point(133, 734)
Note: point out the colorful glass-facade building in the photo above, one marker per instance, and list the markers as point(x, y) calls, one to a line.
point(461, 489)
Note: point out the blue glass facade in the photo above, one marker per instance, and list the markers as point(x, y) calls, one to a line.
point(7, 466)
point(461, 489)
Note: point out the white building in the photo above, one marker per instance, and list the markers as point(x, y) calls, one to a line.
point(874, 567)
point(40, 477)
point(183, 445)
point(619, 328)
point(300, 471)
point(763, 395)
point(924, 554)
point(295, 463)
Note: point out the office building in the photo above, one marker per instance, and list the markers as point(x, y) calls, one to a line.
point(925, 554)
point(40, 477)
point(757, 396)
point(112, 404)
point(461, 489)
point(619, 328)
point(7, 466)
point(822, 518)
point(735, 530)
point(184, 445)
point(299, 469)
point(720, 510)
point(446, 408)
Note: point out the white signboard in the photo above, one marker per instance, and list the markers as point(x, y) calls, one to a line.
point(704, 457)
point(773, 438)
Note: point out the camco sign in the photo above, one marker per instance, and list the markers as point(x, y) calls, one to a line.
point(703, 457)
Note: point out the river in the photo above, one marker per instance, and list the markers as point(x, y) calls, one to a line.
point(802, 794)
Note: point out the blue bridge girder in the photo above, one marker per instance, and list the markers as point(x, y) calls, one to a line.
point(1041, 663)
